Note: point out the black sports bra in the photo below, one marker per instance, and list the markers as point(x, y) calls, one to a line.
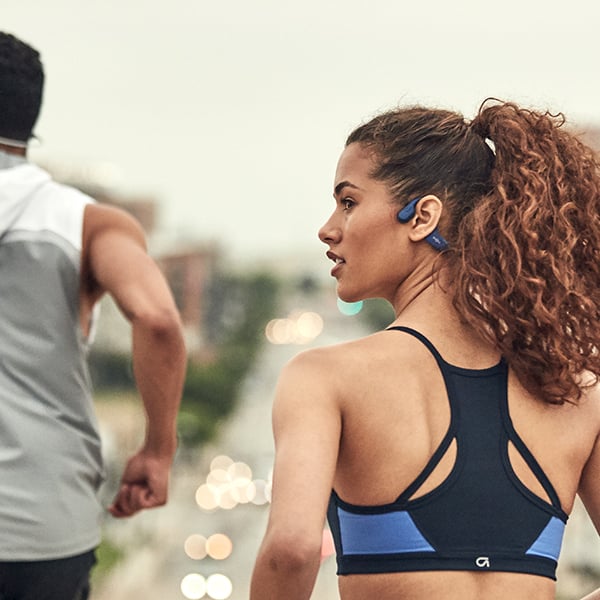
point(481, 518)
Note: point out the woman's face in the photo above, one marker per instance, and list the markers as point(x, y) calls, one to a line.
point(366, 241)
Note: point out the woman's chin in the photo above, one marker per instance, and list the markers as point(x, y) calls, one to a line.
point(348, 296)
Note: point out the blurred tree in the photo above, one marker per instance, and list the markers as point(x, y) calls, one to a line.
point(239, 308)
point(111, 371)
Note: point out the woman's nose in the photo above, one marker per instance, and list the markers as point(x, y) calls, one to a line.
point(330, 233)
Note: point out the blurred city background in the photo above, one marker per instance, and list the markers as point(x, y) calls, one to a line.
point(218, 125)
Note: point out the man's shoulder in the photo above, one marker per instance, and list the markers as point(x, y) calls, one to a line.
point(43, 187)
point(59, 189)
point(102, 217)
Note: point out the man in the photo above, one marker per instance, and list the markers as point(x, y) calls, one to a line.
point(59, 253)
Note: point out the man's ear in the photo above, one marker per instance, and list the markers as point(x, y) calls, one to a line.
point(428, 212)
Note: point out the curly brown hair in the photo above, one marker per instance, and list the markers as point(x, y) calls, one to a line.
point(522, 217)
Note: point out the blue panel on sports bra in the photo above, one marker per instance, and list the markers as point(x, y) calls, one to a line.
point(549, 541)
point(385, 533)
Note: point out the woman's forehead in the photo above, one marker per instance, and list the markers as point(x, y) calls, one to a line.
point(355, 161)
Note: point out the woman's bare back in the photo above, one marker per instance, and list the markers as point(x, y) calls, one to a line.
point(395, 412)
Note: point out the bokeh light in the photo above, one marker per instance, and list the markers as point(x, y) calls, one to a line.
point(239, 470)
point(221, 462)
point(227, 499)
point(260, 495)
point(309, 325)
point(195, 546)
point(219, 546)
point(300, 327)
point(219, 587)
point(243, 490)
point(228, 484)
point(194, 586)
point(218, 478)
point(206, 498)
point(349, 308)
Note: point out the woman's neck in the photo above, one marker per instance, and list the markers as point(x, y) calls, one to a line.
point(427, 284)
point(425, 302)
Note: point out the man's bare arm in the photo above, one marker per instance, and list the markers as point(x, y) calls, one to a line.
point(117, 263)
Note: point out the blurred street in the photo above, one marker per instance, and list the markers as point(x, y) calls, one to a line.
point(157, 563)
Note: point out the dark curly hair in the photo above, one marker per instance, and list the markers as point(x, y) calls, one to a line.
point(21, 87)
point(523, 223)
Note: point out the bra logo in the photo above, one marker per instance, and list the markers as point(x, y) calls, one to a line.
point(482, 561)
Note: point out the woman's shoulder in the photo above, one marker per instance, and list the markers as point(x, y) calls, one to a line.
point(353, 357)
point(589, 402)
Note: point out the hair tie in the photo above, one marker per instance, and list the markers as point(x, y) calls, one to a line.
point(490, 145)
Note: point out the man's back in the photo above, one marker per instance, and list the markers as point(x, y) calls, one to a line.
point(59, 254)
point(44, 384)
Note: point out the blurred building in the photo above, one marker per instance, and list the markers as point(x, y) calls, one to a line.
point(189, 273)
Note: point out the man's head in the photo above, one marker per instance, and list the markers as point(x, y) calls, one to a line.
point(21, 86)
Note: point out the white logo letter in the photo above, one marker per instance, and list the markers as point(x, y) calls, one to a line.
point(482, 561)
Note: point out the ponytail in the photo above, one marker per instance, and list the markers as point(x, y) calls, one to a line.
point(526, 258)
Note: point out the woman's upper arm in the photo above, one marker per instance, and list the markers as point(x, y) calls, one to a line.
point(307, 429)
point(589, 483)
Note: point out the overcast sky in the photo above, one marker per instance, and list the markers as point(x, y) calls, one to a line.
point(233, 113)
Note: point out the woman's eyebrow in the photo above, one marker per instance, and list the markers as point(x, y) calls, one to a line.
point(341, 185)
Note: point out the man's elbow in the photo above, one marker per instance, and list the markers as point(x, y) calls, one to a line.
point(162, 323)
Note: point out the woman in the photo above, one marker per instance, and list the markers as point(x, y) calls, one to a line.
point(455, 441)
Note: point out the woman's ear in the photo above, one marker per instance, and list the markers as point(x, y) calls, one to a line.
point(428, 212)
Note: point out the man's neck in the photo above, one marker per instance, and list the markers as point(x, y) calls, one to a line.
point(8, 159)
point(13, 150)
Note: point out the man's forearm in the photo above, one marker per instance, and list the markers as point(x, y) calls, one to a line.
point(159, 361)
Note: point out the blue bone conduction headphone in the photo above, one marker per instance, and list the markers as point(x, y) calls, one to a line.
point(435, 238)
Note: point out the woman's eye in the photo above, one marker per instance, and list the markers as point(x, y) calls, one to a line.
point(347, 203)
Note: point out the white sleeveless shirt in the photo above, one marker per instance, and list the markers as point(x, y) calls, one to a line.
point(50, 459)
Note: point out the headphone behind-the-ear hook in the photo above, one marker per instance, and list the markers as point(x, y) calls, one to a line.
point(435, 238)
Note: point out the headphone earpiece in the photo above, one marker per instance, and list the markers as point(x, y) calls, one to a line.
point(434, 239)
point(408, 212)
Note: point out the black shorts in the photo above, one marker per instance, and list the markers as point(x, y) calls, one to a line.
point(61, 579)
